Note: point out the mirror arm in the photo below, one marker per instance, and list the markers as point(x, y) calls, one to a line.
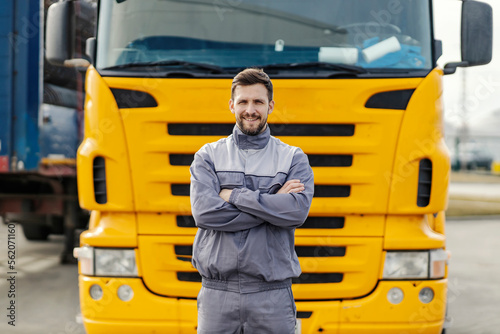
point(450, 68)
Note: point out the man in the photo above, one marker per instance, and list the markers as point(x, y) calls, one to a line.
point(249, 192)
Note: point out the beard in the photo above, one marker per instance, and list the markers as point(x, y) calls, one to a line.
point(249, 130)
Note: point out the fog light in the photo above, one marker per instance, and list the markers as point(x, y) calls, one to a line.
point(426, 295)
point(125, 293)
point(95, 292)
point(395, 296)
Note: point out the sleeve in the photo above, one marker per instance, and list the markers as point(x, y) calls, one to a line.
point(209, 210)
point(284, 210)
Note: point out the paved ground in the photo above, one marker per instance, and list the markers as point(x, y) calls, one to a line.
point(47, 293)
point(474, 294)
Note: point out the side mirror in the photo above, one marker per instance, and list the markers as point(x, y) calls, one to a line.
point(60, 35)
point(477, 36)
point(60, 32)
point(477, 33)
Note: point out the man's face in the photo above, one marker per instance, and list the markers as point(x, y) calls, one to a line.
point(250, 105)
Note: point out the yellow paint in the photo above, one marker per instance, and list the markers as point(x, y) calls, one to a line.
point(58, 161)
point(495, 167)
point(381, 212)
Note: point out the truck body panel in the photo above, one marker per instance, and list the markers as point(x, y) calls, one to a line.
point(373, 248)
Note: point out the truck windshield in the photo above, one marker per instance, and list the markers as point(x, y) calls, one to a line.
point(224, 35)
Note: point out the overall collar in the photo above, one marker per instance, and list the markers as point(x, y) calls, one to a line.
point(245, 142)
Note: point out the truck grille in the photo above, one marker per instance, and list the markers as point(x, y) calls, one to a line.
point(350, 146)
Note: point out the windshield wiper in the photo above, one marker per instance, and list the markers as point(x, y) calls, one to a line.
point(165, 63)
point(317, 64)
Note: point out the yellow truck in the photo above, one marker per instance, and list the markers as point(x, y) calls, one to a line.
point(357, 87)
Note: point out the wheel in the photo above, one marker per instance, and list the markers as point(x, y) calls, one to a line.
point(35, 232)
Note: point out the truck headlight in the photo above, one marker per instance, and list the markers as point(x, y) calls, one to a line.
point(106, 262)
point(406, 265)
point(415, 264)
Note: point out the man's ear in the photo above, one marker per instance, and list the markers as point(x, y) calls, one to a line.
point(231, 105)
point(271, 107)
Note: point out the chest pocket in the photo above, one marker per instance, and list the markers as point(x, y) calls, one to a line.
point(271, 185)
point(230, 180)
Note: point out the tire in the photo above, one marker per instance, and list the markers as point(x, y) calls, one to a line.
point(34, 232)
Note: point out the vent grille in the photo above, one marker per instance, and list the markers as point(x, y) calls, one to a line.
point(304, 315)
point(300, 130)
point(319, 191)
point(311, 222)
point(126, 98)
point(100, 190)
point(181, 159)
point(319, 251)
point(327, 160)
point(396, 99)
point(185, 221)
point(424, 182)
point(188, 276)
point(332, 191)
point(184, 253)
point(304, 278)
point(324, 222)
point(315, 160)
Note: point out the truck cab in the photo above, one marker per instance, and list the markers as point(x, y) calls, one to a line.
point(357, 87)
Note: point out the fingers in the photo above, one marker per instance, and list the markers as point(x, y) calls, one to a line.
point(292, 186)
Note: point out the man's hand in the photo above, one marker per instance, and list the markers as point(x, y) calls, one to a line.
point(225, 194)
point(291, 186)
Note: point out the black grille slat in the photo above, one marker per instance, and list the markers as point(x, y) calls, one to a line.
point(302, 251)
point(424, 183)
point(319, 251)
point(180, 189)
point(225, 129)
point(304, 315)
point(181, 159)
point(326, 160)
point(315, 160)
point(188, 276)
point(99, 178)
point(324, 222)
point(185, 221)
point(319, 191)
point(311, 222)
point(332, 191)
point(126, 98)
point(396, 99)
point(183, 250)
point(307, 278)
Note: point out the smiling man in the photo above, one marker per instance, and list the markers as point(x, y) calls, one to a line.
point(249, 192)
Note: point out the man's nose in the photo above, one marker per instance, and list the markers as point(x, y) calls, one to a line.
point(252, 108)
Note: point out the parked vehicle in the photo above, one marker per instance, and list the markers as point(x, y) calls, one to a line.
point(357, 88)
point(41, 112)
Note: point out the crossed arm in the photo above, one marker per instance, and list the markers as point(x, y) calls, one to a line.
point(241, 208)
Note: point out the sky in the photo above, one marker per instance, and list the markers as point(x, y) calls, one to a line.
point(481, 84)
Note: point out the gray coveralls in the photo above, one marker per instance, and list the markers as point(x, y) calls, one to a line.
point(244, 249)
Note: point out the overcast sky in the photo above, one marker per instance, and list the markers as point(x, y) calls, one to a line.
point(482, 84)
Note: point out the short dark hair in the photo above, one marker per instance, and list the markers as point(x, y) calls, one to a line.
point(252, 76)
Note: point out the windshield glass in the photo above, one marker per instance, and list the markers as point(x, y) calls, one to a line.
point(378, 35)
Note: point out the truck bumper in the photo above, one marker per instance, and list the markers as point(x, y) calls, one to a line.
point(144, 313)
point(374, 314)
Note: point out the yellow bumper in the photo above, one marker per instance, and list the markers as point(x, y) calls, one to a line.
point(144, 313)
point(374, 314)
